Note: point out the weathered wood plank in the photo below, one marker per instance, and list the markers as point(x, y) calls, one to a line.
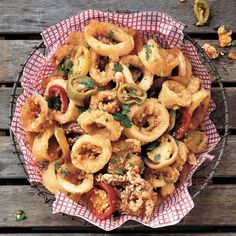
point(211, 206)
point(230, 92)
point(120, 234)
point(9, 168)
point(35, 16)
point(14, 53)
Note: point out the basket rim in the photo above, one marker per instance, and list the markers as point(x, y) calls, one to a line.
point(48, 197)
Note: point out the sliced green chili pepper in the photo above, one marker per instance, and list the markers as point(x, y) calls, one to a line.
point(131, 93)
point(202, 11)
point(172, 120)
point(78, 89)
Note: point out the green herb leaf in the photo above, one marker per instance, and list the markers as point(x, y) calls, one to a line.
point(64, 172)
point(114, 159)
point(87, 83)
point(110, 35)
point(132, 92)
point(125, 109)
point(118, 68)
point(64, 67)
point(233, 43)
point(148, 50)
point(142, 165)
point(106, 120)
point(157, 157)
point(120, 171)
point(177, 141)
point(152, 146)
point(127, 156)
point(57, 166)
point(123, 118)
point(200, 5)
point(20, 215)
point(81, 109)
point(68, 194)
point(131, 164)
point(54, 103)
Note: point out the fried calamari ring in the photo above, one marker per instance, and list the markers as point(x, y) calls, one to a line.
point(50, 180)
point(46, 147)
point(125, 41)
point(134, 61)
point(181, 157)
point(100, 122)
point(74, 180)
point(46, 80)
point(196, 141)
point(194, 85)
point(138, 40)
point(150, 121)
point(184, 69)
point(76, 38)
point(167, 190)
point(71, 113)
point(198, 107)
point(174, 95)
point(126, 145)
point(35, 114)
point(91, 153)
point(101, 78)
point(164, 154)
point(61, 53)
point(157, 60)
point(105, 101)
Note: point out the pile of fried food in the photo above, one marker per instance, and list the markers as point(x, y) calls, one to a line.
point(117, 127)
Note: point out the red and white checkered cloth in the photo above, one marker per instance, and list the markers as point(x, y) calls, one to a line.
point(166, 31)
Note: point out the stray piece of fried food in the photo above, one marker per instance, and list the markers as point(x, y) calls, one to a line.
point(210, 51)
point(224, 36)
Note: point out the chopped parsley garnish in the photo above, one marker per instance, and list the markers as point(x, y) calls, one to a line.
point(64, 172)
point(106, 120)
point(123, 118)
point(118, 68)
point(157, 157)
point(68, 194)
point(233, 43)
point(120, 171)
point(131, 164)
point(81, 109)
point(177, 141)
point(110, 35)
point(141, 165)
point(125, 109)
point(114, 159)
point(20, 215)
point(57, 166)
point(132, 92)
point(54, 103)
point(87, 83)
point(127, 156)
point(64, 67)
point(148, 50)
point(152, 146)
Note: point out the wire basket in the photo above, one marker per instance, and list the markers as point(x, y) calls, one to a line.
point(201, 177)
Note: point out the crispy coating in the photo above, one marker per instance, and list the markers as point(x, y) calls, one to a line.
point(150, 121)
point(35, 114)
point(174, 95)
point(105, 101)
point(100, 122)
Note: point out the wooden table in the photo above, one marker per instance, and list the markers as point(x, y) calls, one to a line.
point(20, 25)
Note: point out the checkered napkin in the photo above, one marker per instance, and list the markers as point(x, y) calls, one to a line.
point(167, 31)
